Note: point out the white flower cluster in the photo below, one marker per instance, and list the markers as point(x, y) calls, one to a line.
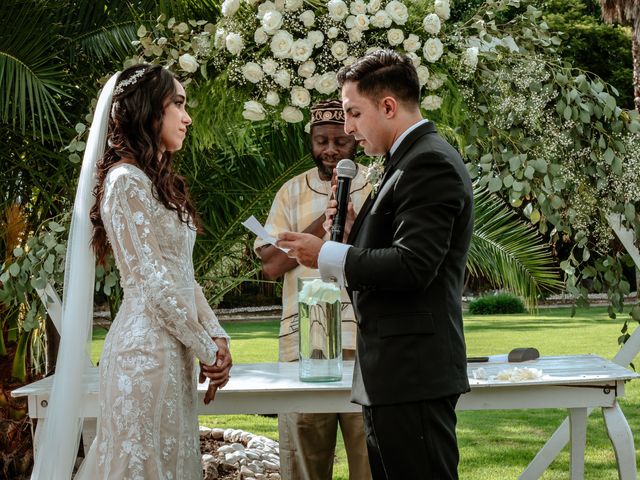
point(315, 291)
point(288, 54)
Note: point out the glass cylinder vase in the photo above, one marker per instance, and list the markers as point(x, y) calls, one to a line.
point(320, 339)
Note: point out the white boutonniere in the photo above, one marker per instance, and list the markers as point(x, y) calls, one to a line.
point(374, 174)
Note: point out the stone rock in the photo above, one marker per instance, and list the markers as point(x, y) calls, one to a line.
point(270, 465)
point(226, 449)
point(204, 432)
point(217, 433)
point(274, 476)
point(238, 446)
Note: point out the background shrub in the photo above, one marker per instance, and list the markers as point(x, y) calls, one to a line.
point(499, 303)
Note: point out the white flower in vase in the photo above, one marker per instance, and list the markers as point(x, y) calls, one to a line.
point(315, 291)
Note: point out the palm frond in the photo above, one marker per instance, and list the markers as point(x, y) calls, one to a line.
point(509, 252)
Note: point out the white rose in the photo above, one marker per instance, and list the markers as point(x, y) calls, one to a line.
point(230, 7)
point(358, 7)
point(431, 102)
point(470, 57)
point(315, 291)
point(339, 50)
point(397, 11)
point(279, 5)
point(374, 6)
point(219, 38)
point(310, 83)
point(306, 69)
point(282, 78)
point(316, 37)
point(350, 22)
point(234, 43)
point(260, 36)
point(252, 72)
point(281, 44)
point(442, 9)
point(269, 66)
point(293, 5)
point(395, 36)
point(350, 60)
point(253, 111)
point(434, 82)
point(301, 50)
point(308, 18)
point(300, 97)
point(332, 32)
point(264, 8)
point(251, 2)
point(423, 74)
point(355, 35)
point(188, 63)
point(381, 19)
point(272, 99)
point(415, 59)
point(361, 22)
point(307, 127)
point(432, 50)
point(412, 43)
point(337, 9)
point(291, 115)
point(271, 21)
point(327, 83)
point(431, 24)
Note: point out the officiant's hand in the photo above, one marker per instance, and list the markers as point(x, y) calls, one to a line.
point(330, 213)
point(304, 247)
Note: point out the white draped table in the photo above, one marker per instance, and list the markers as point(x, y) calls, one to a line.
point(573, 382)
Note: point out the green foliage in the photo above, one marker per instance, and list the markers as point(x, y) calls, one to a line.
point(496, 304)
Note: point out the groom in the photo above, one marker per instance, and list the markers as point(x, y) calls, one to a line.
point(404, 269)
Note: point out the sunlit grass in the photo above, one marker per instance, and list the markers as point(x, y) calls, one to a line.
point(494, 445)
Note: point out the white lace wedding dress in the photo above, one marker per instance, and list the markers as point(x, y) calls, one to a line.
point(148, 427)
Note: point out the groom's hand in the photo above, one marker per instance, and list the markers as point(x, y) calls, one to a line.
point(304, 247)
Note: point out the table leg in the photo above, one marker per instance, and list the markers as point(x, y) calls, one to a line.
point(578, 426)
point(547, 454)
point(622, 441)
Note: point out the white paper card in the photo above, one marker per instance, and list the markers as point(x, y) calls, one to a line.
point(256, 227)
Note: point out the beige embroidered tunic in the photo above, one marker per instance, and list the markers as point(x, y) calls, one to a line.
point(148, 427)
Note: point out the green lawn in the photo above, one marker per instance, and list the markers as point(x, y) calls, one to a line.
point(494, 445)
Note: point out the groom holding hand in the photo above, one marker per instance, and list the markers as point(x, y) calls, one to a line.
point(403, 266)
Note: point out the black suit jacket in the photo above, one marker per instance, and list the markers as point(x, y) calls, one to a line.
point(405, 274)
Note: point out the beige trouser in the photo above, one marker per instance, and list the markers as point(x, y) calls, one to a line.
point(308, 443)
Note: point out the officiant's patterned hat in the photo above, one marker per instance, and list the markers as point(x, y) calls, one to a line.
point(329, 111)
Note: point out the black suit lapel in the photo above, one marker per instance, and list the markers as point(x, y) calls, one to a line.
point(402, 149)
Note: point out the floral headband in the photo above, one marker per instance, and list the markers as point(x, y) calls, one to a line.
point(120, 86)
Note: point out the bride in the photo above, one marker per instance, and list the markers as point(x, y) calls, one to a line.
point(147, 423)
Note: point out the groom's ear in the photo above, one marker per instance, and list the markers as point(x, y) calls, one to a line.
point(389, 106)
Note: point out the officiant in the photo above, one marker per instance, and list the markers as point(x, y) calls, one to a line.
point(307, 440)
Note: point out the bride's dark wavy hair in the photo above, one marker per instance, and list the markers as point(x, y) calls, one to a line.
point(134, 133)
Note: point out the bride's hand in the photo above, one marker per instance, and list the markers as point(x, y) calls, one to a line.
point(218, 373)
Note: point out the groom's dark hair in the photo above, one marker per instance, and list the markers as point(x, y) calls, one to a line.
point(383, 72)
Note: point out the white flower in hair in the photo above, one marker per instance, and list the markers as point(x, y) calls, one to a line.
point(432, 50)
point(253, 111)
point(432, 24)
point(397, 11)
point(188, 63)
point(291, 115)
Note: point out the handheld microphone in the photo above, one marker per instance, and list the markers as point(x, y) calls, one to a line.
point(346, 170)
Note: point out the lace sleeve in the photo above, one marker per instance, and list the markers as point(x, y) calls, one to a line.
point(141, 265)
point(207, 317)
